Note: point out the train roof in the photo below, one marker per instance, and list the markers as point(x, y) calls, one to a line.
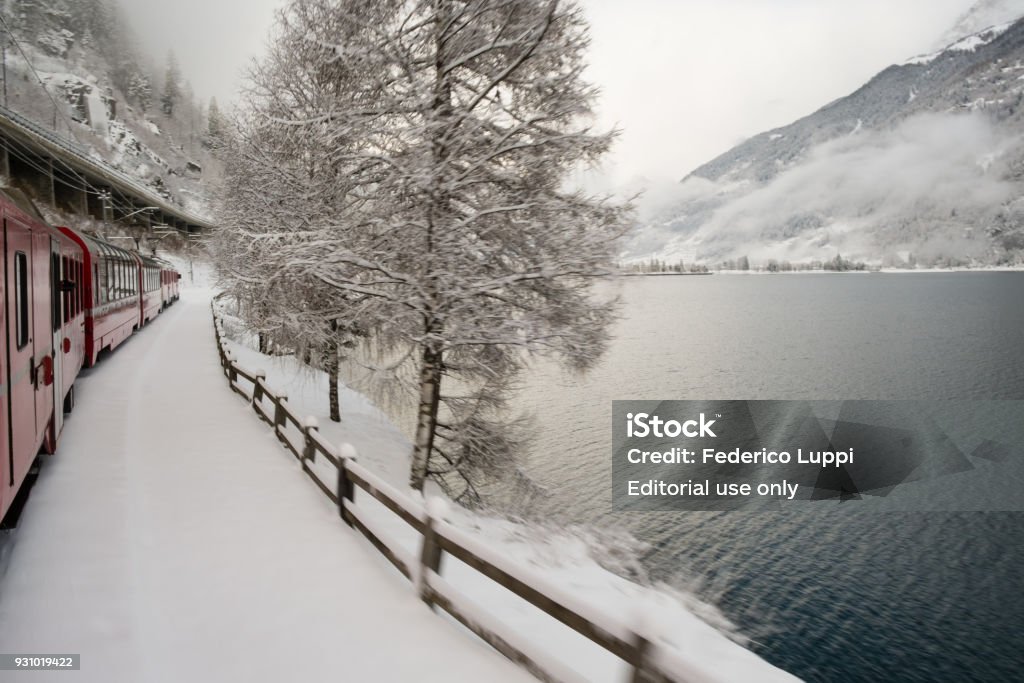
point(149, 260)
point(166, 265)
point(99, 246)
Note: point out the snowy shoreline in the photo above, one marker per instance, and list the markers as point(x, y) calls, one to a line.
point(691, 630)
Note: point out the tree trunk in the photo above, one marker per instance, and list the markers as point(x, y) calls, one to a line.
point(426, 418)
point(332, 374)
point(430, 371)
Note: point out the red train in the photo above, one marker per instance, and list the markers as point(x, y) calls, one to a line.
point(66, 297)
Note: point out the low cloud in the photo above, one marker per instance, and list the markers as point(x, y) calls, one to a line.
point(934, 182)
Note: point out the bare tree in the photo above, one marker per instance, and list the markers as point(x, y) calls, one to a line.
point(446, 129)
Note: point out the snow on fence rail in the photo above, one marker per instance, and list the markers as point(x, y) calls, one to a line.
point(650, 662)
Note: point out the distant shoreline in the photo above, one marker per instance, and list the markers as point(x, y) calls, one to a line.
point(669, 273)
point(886, 271)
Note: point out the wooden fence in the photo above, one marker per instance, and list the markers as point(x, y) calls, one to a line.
point(649, 662)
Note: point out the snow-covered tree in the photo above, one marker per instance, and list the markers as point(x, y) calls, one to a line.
point(140, 91)
point(443, 131)
point(277, 183)
point(215, 125)
point(172, 93)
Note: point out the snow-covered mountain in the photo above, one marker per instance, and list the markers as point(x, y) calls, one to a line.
point(979, 17)
point(924, 163)
point(72, 66)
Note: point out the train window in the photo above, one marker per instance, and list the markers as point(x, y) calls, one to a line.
point(21, 298)
point(66, 263)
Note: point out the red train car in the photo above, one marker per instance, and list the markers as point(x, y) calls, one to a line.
point(66, 297)
point(42, 337)
point(151, 300)
point(114, 305)
point(169, 279)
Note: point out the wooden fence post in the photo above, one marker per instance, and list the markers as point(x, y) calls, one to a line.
point(308, 451)
point(257, 390)
point(279, 413)
point(430, 552)
point(346, 489)
point(641, 672)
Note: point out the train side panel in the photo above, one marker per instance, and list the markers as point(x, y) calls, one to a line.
point(24, 437)
point(6, 490)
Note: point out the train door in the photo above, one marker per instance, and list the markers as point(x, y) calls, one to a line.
point(57, 301)
point(42, 334)
point(19, 313)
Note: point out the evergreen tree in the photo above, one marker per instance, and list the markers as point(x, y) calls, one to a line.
point(214, 124)
point(140, 92)
point(172, 86)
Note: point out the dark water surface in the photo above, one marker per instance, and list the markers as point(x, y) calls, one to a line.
point(841, 594)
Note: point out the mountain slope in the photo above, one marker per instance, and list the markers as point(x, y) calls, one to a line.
point(927, 159)
point(981, 16)
point(72, 66)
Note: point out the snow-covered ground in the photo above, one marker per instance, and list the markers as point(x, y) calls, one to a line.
point(173, 538)
point(562, 561)
point(170, 540)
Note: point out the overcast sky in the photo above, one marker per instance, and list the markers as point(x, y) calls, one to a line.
point(683, 80)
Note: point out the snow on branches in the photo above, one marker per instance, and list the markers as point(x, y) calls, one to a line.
point(402, 173)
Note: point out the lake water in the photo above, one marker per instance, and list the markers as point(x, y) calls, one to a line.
point(837, 595)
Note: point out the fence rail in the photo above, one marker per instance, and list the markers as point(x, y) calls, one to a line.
point(649, 662)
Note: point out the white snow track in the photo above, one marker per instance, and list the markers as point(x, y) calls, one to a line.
point(171, 539)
